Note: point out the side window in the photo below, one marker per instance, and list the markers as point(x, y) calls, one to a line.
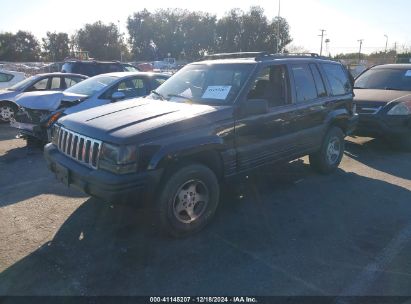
point(140, 87)
point(272, 85)
point(338, 79)
point(5, 77)
point(40, 85)
point(156, 82)
point(70, 81)
point(131, 88)
point(319, 83)
point(55, 83)
point(304, 82)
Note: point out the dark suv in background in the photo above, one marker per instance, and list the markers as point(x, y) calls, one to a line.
point(213, 120)
point(92, 67)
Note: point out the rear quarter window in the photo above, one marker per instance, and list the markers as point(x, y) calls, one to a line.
point(337, 78)
point(5, 77)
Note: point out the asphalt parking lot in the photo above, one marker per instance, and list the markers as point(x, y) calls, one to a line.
point(293, 233)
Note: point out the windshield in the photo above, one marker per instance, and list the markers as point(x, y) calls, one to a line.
point(385, 79)
point(22, 84)
point(92, 85)
point(129, 68)
point(205, 84)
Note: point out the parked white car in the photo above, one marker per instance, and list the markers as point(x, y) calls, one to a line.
point(10, 78)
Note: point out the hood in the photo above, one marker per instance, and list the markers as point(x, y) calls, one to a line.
point(8, 95)
point(378, 98)
point(44, 100)
point(125, 122)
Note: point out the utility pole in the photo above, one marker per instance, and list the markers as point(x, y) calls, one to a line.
point(322, 40)
point(359, 52)
point(386, 43)
point(278, 27)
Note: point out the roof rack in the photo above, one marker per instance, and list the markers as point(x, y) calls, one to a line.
point(262, 55)
point(235, 55)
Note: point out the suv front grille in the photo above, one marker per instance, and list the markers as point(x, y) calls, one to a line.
point(78, 147)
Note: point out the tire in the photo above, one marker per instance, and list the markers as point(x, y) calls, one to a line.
point(188, 199)
point(7, 111)
point(328, 158)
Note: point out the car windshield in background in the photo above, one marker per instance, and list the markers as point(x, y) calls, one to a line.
point(129, 68)
point(385, 79)
point(22, 84)
point(205, 83)
point(91, 86)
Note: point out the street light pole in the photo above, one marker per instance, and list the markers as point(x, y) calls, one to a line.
point(359, 52)
point(278, 27)
point(386, 43)
point(322, 40)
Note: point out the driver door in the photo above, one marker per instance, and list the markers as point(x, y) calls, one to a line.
point(264, 138)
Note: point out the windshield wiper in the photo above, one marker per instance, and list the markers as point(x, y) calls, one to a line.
point(357, 88)
point(158, 94)
point(180, 96)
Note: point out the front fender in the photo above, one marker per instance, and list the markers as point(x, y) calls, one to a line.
point(180, 149)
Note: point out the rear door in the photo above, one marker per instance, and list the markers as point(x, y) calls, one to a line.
point(310, 98)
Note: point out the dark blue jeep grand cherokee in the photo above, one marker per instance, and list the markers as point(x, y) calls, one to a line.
point(211, 121)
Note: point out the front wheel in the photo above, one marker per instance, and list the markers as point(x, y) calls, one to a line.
point(7, 111)
point(188, 199)
point(329, 157)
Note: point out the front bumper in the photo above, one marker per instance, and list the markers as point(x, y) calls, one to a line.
point(101, 184)
point(31, 130)
point(383, 126)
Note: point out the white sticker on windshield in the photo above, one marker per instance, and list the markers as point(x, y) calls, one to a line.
point(216, 92)
point(408, 73)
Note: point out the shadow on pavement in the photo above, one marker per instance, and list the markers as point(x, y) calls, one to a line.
point(7, 132)
point(24, 174)
point(381, 156)
point(288, 236)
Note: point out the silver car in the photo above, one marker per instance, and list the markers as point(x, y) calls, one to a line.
point(39, 83)
point(35, 107)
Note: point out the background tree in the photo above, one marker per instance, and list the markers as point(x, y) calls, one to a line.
point(228, 31)
point(102, 41)
point(22, 46)
point(56, 46)
point(251, 31)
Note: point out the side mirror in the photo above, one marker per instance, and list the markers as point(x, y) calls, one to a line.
point(255, 106)
point(117, 96)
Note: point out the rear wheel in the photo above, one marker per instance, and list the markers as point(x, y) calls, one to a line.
point(7, 111)
point(188, 199)
point(328, 158)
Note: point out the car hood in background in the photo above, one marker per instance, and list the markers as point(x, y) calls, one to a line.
point(125, 122)
point(8, 95)
point(45, 100)
point(380, 97)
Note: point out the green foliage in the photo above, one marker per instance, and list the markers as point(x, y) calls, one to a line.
point(102, 41)
point(56, 46)
point(189, 35)
point(22, 46)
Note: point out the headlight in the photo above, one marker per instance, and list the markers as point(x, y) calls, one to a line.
point(118, 159)
point(54, 135)
point(403, 108)
point(53, 118)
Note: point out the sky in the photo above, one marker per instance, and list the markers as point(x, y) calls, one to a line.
point(345, 21)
